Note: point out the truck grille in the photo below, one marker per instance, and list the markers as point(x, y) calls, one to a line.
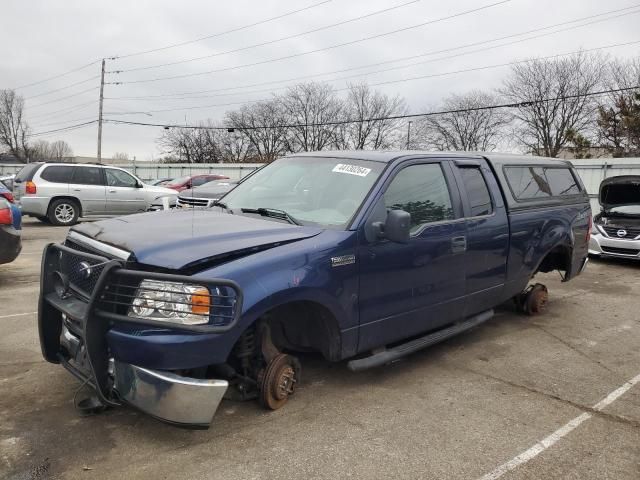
point(81, 278)
point(612, 232)
point(195, 202)
point(620, 251)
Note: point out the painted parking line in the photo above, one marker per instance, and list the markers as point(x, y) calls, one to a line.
point(18, 315)
point(567, 428)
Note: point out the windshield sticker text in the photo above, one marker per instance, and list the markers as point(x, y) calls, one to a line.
point(351, 169)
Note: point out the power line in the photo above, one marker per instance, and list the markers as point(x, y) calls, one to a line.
point(214, 35)
point(63, 111)
point(63, 88)
point(420, 77)
point(189, 95)
point(64, 129)
point(64, 98)
point(77, 69)
point(269, 42)
point(331, 47)
point(377, 119)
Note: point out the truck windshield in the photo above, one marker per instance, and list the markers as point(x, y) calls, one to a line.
point(317, 191)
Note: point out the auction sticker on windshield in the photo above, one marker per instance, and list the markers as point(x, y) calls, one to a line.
point(351, 169)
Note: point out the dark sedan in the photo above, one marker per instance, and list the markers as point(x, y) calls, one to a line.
point(10, 227)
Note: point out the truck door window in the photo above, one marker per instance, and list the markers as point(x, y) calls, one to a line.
point(477, 191)
point(422, 191)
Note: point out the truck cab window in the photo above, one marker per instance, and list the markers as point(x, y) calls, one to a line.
point(422, 191)
point(477, 191)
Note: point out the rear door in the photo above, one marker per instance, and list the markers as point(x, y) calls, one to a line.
point(487, 235)
point(123, 193)
point(87, 185)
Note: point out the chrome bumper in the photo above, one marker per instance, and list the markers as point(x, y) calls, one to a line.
point(189, 402)
point(183, 401)
point(613, 247)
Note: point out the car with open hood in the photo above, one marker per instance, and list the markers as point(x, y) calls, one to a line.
point(616, 229)
point(359, 256)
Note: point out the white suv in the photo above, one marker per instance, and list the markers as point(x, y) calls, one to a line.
point(60, 193)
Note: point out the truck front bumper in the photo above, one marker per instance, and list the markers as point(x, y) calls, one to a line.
point(74, 333)
point(599, 245)
point(171, 398)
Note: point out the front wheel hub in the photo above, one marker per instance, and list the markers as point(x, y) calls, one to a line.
point(277, 382)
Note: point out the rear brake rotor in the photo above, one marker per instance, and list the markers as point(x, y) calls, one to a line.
point(537, 299)
point(278, 381)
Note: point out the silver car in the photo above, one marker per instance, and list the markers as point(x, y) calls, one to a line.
point(616, 229)
point(61, 193)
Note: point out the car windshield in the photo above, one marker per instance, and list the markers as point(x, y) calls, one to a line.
point(625, 209)
point(311, 190)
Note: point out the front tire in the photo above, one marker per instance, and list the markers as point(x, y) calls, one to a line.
point(64, 212)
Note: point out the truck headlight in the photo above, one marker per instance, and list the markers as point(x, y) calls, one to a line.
point(172, 302)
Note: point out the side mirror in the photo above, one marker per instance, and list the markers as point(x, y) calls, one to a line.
point(139, 185)
point(397, 226)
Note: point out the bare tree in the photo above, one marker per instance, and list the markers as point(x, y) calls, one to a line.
point(60, 151)
point(237, 147)
point(120, 156)
point(42, 150)
point(369, 109)
point(193, 145)
point(619, 113)
point(467, 126)
point(554, 99)
point(13, 128)
point(310, 108)
point(263, 123)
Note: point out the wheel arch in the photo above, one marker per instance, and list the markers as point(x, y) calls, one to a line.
point(65, 197)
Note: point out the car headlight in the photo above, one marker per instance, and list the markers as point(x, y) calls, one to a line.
point(594, 229)
point(174, 302)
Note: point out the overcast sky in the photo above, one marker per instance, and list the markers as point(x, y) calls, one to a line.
point(44, 38)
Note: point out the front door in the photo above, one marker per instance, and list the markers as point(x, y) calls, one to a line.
point(123, 194)
point(87, 185)
point(407, 289)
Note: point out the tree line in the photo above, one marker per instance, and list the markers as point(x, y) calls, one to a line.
point(556, 107)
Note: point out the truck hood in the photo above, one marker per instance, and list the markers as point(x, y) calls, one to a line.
point(186, 239)
point(620, 190)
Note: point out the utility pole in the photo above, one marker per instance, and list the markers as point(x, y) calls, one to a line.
point(100, 114)
point(409, 133)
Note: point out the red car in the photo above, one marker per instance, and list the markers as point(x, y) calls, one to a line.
point(191, 181)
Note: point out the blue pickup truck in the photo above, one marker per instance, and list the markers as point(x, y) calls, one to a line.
point(360, 256)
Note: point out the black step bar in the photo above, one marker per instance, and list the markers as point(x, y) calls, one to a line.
point(399, 351)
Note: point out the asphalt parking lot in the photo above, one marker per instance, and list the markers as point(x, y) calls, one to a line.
point(543, 397)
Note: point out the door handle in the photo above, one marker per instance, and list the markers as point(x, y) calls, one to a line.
point(112, 191)
point(459, 244)
point(77, 189)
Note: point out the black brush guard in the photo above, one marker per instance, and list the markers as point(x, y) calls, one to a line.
point(90, 314)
